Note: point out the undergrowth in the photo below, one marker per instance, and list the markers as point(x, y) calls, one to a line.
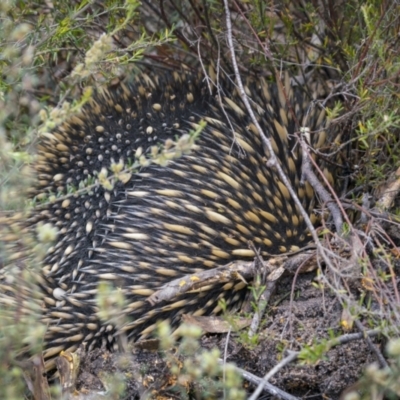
point(52, 55)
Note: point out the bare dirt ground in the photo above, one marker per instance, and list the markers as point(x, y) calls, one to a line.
point(288, 325)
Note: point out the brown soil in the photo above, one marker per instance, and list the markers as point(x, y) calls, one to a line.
point(310, 318)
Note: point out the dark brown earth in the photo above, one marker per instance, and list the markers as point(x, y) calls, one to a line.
point(310, 318)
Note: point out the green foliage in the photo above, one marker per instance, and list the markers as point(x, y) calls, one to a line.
point(314, 353)
point(36, 38)
point(249, 342)
point(20, 305)
point(30, 46)
point(54, 53)
point(380, 383)
point(376, 66)
point(198, 370)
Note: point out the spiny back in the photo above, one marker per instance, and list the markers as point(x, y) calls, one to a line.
point(197, 212)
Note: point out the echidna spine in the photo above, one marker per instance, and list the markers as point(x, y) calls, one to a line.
point(163, 221)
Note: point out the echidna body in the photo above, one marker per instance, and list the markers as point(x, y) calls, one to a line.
point(197, 212)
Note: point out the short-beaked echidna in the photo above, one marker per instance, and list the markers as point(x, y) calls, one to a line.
point(164, 221)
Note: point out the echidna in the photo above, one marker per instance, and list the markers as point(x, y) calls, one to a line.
point(160, 222)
